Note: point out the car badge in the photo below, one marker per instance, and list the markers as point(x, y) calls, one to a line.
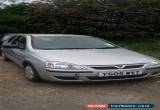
point(120, 66)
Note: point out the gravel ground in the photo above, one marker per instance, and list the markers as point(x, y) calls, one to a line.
point(16, 93)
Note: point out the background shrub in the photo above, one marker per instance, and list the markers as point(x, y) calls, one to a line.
point(115, 20)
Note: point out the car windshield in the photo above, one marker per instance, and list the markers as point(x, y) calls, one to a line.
point(69, 42)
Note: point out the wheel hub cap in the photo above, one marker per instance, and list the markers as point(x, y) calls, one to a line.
point(29, 72)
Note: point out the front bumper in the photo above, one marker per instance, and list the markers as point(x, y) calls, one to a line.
point(80, 76)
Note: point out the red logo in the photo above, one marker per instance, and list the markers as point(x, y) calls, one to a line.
point(96, 105)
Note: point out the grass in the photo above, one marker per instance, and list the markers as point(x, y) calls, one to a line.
point(149, 47)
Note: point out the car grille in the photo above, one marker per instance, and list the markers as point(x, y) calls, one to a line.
point(109, 67)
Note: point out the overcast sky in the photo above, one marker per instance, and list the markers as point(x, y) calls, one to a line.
point(7, 2)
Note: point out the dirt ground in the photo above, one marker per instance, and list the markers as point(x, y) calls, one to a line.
point(16, 93)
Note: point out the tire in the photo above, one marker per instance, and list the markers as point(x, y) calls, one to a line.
point(31, 74)
point(5, 57)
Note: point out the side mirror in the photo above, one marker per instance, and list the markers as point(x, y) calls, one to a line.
point(10, 46)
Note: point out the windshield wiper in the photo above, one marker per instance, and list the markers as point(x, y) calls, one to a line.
point(106, 47)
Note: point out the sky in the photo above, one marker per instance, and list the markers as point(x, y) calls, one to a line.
point(7, 2)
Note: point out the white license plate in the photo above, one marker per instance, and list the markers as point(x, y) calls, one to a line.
point(121, 73)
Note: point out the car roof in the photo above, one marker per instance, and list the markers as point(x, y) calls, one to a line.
point(8, 36)
point(59, 35)
point(45, 35)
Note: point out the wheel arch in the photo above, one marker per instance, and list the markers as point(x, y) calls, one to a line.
point(27, 62)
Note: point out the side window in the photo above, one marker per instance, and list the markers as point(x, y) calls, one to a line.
point(19, 41)
point(15, 41)
point(22, 42)
point(11, 39)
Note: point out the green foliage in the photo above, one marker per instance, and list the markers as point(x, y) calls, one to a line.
point(110, 19)
point(20, 9)
point(12, 18)
point(150, 47)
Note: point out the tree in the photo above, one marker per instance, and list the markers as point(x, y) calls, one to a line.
point(105, 18)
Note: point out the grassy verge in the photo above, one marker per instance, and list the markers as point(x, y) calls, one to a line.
point(151, 47)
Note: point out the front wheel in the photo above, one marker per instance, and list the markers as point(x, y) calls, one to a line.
point(31, 74)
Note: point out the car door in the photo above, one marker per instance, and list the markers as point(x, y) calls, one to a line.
point(19, 53)
point(8, 51)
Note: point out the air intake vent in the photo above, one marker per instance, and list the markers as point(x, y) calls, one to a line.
point(133, 66)
point(117, 67)
point(104, 67)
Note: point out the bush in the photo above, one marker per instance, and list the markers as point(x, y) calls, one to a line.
point(111, 19)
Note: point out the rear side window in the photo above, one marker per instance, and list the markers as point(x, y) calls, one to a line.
point(11, 39)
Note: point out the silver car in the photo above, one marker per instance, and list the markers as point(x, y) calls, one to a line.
point(58, 57)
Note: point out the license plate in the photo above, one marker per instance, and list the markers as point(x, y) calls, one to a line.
point(122, 73)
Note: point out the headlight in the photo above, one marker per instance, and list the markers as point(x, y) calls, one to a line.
point(63, 66)
point(155, 64)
